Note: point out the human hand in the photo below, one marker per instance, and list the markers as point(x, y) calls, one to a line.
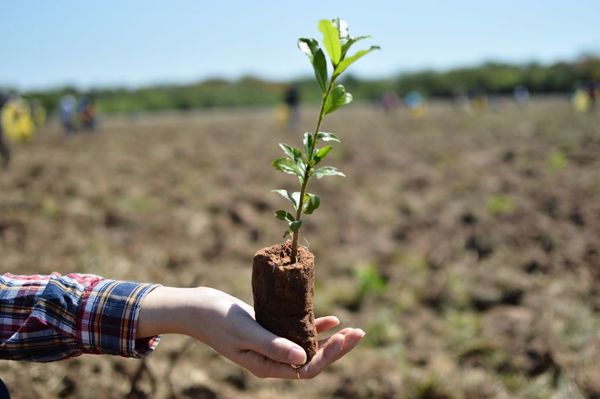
point(227, 324)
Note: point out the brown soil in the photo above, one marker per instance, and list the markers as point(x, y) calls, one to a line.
point(283, 294)
point(466, 245)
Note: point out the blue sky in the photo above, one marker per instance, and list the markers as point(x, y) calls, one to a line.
point(108, 43)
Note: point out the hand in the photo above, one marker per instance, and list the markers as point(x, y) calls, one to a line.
point(227, 324)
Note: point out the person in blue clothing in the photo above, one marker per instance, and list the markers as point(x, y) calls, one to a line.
point(67, 108)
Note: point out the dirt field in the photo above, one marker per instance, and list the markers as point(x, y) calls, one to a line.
point(466, 245)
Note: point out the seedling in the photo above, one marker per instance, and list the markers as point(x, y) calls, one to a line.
point(283, 275)
point(304, 162)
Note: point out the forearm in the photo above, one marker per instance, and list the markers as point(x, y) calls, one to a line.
point(168, 310)
point(190, 311)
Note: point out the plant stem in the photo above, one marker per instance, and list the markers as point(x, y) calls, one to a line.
point(307, 172)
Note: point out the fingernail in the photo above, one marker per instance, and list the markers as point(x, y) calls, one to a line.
point(297, 356)
point(362, 333)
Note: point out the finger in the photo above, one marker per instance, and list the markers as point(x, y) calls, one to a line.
point(337, 346)
point(345, 331)
point(326, 323)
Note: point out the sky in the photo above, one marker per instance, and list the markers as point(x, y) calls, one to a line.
point(48, 44)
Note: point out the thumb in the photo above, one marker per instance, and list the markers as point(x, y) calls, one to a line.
point(275, 348)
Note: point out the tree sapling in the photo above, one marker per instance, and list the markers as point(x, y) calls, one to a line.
point(283, 274)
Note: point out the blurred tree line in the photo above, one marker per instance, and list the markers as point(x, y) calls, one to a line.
point(490, 78)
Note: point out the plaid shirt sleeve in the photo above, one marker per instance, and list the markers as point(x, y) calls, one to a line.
point(54, 317)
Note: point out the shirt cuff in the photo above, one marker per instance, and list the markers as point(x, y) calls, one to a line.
point(108, 318)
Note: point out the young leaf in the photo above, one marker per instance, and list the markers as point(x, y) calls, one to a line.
point(296, 196)
point(288, 166)
point(312, 202)
point(328, 171)
point(311, 48)
point(327, 137)
point(292, 152)
point(346, 62)
point(346, 46)
point(288, 196)
point(343, 29)
point(283, 215)
point(322, 153)
point(308, 143)
point(331, 40)
point(295, 225)
point(336, 99)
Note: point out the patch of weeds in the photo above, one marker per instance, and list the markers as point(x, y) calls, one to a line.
point(557, 160)
point(49, 209)
point(540, 387)
point(429, 386)
point(458, 288)
point(462, 328)
point(383, 330)
point(574, 324)
point(406, 300)
point(137, 204)
point(369, 282)
point(501, 205)
point(480, 352)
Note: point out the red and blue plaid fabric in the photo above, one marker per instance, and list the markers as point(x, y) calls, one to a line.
point(47, 318)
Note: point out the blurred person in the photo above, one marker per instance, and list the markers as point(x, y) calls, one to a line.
point(291, 98)
point(4, 149)
point(87, 113)
point(67, 108)
point(389, 101)
point(521, 94)
point(45, 318)
point(581, 100)
point(415, 103)
point(592, 93)
point(478, 100)
point(16, 120)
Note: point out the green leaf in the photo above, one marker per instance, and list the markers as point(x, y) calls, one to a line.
point(343, 30)
point(321, 154)
point(295, 225)
point(327, 137)
point(331, 40)
point(351, 41)
point(312, 202)
point(288, 196)
point(328, 171)
point(311, 48)
point(336, 99)
point(346, 62)
point(292, 152)
point(288, 166)
point(296, 197)
point(308, 143)
point(283, 215)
